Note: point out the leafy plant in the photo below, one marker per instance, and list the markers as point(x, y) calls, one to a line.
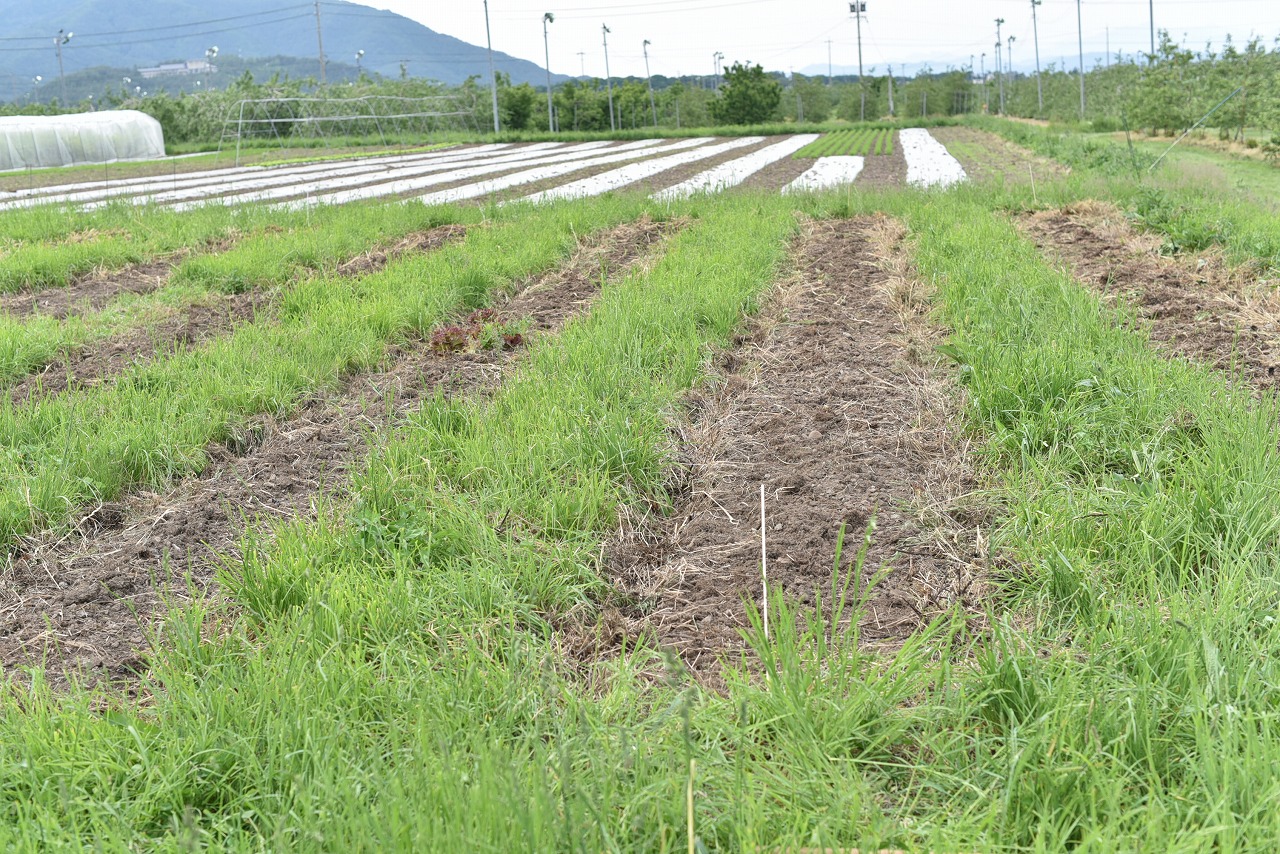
point(749, 96)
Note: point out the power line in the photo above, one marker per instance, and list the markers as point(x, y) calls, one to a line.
point(81, 40)
point(170, 26)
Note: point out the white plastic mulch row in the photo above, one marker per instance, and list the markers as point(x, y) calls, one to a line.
point(233, 171)
point(231, 179)
point(828, 173)
point(283, 184)
point(486, 169)
point(276, 186)
point(370, 184)
point(543, 173)
point(736, 171)
point(617, 178)
point(929, 164)
point(564, 162)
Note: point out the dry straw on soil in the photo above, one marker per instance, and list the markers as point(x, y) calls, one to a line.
point(835, 401)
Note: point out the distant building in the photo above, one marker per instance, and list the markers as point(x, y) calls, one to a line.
point(177, 69)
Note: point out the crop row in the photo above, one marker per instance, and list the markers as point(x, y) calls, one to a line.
point(269, 258)
point(156, 422)
point(860, 142)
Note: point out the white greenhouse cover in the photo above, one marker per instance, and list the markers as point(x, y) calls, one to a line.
point(101, 137)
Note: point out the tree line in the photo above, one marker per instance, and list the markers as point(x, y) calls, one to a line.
point(1163, 93)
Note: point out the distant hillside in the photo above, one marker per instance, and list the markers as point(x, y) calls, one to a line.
point(104, 84)
point(127, 34)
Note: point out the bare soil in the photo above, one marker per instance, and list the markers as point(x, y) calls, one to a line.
point(88, 293)
point(1195, 306)
point(779, 174)
point(86, 601)
point(884, 171)
point(835, 402)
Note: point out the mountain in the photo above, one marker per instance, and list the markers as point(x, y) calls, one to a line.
point(138, 33)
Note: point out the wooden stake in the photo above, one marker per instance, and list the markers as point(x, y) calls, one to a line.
point(764, 566)
point(693, 766)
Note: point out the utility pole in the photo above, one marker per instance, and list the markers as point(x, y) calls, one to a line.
point(653, 105)
point(890, 91)
point(859, 8)
point(548, 18)
point(493, 75)
point(829, 69)
point(1080, 34)
point(983, 76)
point(608, 78)
point(1151, 6)
point(1035, 28)
point(1013, 75)
point(320, 42)
point(59, 40)
point(799, 104)
point(999, 65)
point(715, 58)
point(1108, 48)
point(582, 63)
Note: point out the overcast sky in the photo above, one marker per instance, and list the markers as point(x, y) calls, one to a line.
point(786, 34)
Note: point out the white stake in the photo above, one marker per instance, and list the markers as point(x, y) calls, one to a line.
point(764, 566)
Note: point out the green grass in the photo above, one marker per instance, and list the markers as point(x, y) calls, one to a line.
point(1194, 206)
point(49, 246)
point(155, 423)
point(389, 677)
point(266, 261)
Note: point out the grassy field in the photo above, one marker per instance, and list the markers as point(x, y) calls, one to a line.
point(440, 652)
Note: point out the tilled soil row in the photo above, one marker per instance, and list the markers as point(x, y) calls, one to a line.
point(835, 402)
point(884, 171)
point(85, 602)
point(1192, 307)
point(778, 174)
point(191, 325)
point(89, 293)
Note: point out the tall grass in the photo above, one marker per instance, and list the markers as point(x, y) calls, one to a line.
point(390, 678)
point(266, 260)
point(155, 422)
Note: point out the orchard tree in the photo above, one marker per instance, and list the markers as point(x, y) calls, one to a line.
point(749, 97)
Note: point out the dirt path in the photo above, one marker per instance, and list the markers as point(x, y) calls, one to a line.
point(884, 171)
point(84, 599)
point(1193, 306)
point(834, 402)
point(191, 325)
